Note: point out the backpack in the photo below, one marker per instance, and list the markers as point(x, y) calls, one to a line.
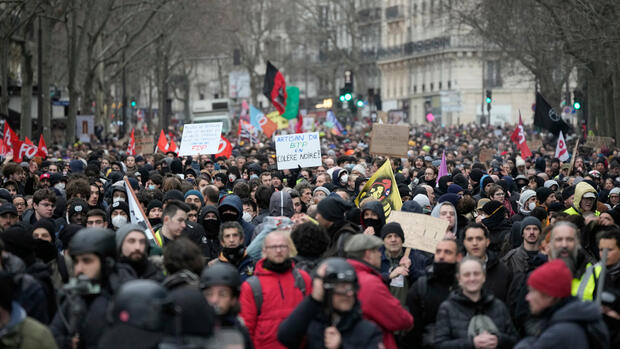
point(257, 289)
point(597, 333)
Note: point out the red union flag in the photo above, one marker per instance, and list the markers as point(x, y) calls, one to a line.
point(224, 148)
point(518, 137)
point(22, 150)
point(561, 152)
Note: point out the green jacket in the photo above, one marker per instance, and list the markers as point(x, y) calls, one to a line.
point(23, 332)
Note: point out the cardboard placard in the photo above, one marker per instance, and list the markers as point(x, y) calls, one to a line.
point(383, 116)
point(597, 142)
point(299, 149)
point(389, 140)
point(200, 139)
point(422, 232)
point(535, 144)
point(486, 155)
point(145, 145)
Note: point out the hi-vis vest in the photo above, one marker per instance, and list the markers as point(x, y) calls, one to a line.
point(584, 288)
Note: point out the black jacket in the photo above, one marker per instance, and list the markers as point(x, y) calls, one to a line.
point(338, 234)
point(499, 277)
point(424, 306)
point(309, 321)
point(456, 312)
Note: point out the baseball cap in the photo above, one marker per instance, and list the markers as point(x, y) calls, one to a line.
point(8, 208)
point(44, 176)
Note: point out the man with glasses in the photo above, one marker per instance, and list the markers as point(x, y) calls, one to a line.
point(43, 203)
point(273, 293)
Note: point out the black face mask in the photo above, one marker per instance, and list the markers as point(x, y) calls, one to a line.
point(372, 222)
point(229, 217)
point(45, 250)
point(212, 227)
point(154, 221)
point(445, 270)
point(234, 255)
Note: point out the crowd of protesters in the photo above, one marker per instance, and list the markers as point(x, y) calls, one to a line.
point(241, 254)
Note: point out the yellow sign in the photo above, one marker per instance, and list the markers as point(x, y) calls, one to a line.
point(278, 119)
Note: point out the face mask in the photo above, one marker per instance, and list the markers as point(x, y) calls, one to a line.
point(154, 221)
point(190, 180)
point(212, 227)
point(45, 250)
point(117, 199)
point(60, 186)
point(344, 179)
point(247, 217)
point(232, 177)
point(531, 206)
point(229, 217)
point(371, 222)
point(118, 221)
point(253, 176)
point(151, 186)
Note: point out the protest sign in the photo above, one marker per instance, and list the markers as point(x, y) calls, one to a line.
point(299, 149)
point(200, 139)
point(144, 145)
point(597, 142)
point(421, 231)
point(535, 144)
point(486, 155)
point(389, 140)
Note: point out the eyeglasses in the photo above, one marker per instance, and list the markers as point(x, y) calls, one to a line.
point(277, 247)
point(19, 204)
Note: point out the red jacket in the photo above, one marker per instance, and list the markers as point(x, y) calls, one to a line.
point(378, 304)
point(280, 297)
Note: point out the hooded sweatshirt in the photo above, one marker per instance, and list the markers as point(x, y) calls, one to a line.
point(234, 202)
point(281, 204)
point(580, 190)
point(377, 208)
point(435, 213)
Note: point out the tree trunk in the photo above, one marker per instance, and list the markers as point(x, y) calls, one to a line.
point(616, 102)
point(4, 77)
point(100, 92)
point(27, 74)
point(46, 71)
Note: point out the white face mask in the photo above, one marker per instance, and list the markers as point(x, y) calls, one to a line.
point(60, 186)
point(151, 186)
point(247, 217)
point(117, 199)
point(531, 206)
point(344, 179)
point(118, 221)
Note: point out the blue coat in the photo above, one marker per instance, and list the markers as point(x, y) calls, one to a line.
point(234, 202)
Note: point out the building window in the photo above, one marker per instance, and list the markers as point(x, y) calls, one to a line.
point(493, 76)
point(440, 85)
point(415, 89)
point(432, 86)
point(423, 88)
point(449, 84)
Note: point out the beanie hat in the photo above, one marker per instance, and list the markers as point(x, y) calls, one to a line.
point(359, 168)
point(77, 206)
point(124, 230)
point(411, 206)
point(422, 200)
point(67, 233)
point(485, 180)
point(460, 180)
point(194, 192)
point(392, 228)
point(552, 278)
point(476, 174)
point(529, 220)
point(491, 207)
point(119, 205)
point(454, 188)
point(320, 188)
point(404, 190)
point(526, 195)
point(567, 192)
point(519, 162)
point(449, 197)
point(19, 243)
point(543, 193)
point(615, 190)
point(152, 205)
point(549, 183)
point(173, 194)
point(333, 208)
point(46, 224)
point(76, 166)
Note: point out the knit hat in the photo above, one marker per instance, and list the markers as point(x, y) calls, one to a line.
point(422, 200)
point(77, 206)
point(411, 206)
point(152, 205)
point(485, 181)
point(615, 190)
point(529, 220)
point(476, 174)
point(567, 192)
point(19, 243)
point(549, 183)
point(119, 205)
point(526, 195)
point(543, 193)
point(124, 230)
point(173, 194)
point(460, 180)
point(519, 161)
point(67, 233)
point(323, 189)
point(552, 278)
point(195, 192)
point(491, 207)
point(454, 188)
point(449, 197)
point(392, 228)
point(46, 224)
point(404, 190)
point(76, 166)
point(359, 168)
point(333, 208)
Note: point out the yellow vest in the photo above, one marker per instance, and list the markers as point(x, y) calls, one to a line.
point(584, 288)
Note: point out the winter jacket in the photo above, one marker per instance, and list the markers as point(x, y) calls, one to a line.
point(564, 326)
point(23, 332)
point(451, 328)
point(29, 292)
point(308, 321)
point(211, 246)
point(499, 277)
point(339, 232)
point(520, 264)
point(234, 202)
point(280, 205)
point(378, 304)
point(280, 297)
point(419, 262)
point(377, 208)
point(580, 189)
point(245, 266)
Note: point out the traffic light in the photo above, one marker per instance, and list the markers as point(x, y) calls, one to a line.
point(346, 95)
point(359, 101)
point(577, 99)
point(489, 99)
point(133, 102)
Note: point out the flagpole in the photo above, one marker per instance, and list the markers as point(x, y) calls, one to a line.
point(150, 231)
point(572, 161)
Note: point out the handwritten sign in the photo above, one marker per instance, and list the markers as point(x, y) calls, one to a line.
point(421, 231)
point(299, 149)
point(597, 142)
point(200, 139)
point(390, 140)
point(486, 155)
point(144, 145)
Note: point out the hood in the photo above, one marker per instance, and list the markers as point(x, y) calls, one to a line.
point(374, 206)
point(576, 311)
point(335, 176)
point(232, 201)
point(281, 204)
point(208, 209)
point(435, 213)
point(580, 190)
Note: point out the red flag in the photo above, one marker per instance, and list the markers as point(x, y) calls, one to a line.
point(224, 148)
point(131, 147)
point(274, 87)
point(42, 148)
point(162, 143)
point(9, 138)
point(300, 123)
point(28, 141)
point(21, 150)
point(173, 147)
point(518, 137)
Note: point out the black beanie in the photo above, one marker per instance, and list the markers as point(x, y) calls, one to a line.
point(460, 180)
point(393, 228)
point(67, 233)
point(543, 193)
point(476, 174)
point(18, 242)
point(152, 205)
point(176, 166)
point(486, 181)
point(490, 207)
point(48, 225)
point(333, 208)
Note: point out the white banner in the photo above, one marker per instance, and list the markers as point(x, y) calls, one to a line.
point(299, 149)
point(200, 139)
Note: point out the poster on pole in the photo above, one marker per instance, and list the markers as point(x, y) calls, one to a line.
point(421, 231)
point(144, 145)
point(389, 140)
point(84, 127)
point(299, 149)
point(199, 139)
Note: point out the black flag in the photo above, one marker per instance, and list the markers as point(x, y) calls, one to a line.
point(545, 117)
point(274, 88)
